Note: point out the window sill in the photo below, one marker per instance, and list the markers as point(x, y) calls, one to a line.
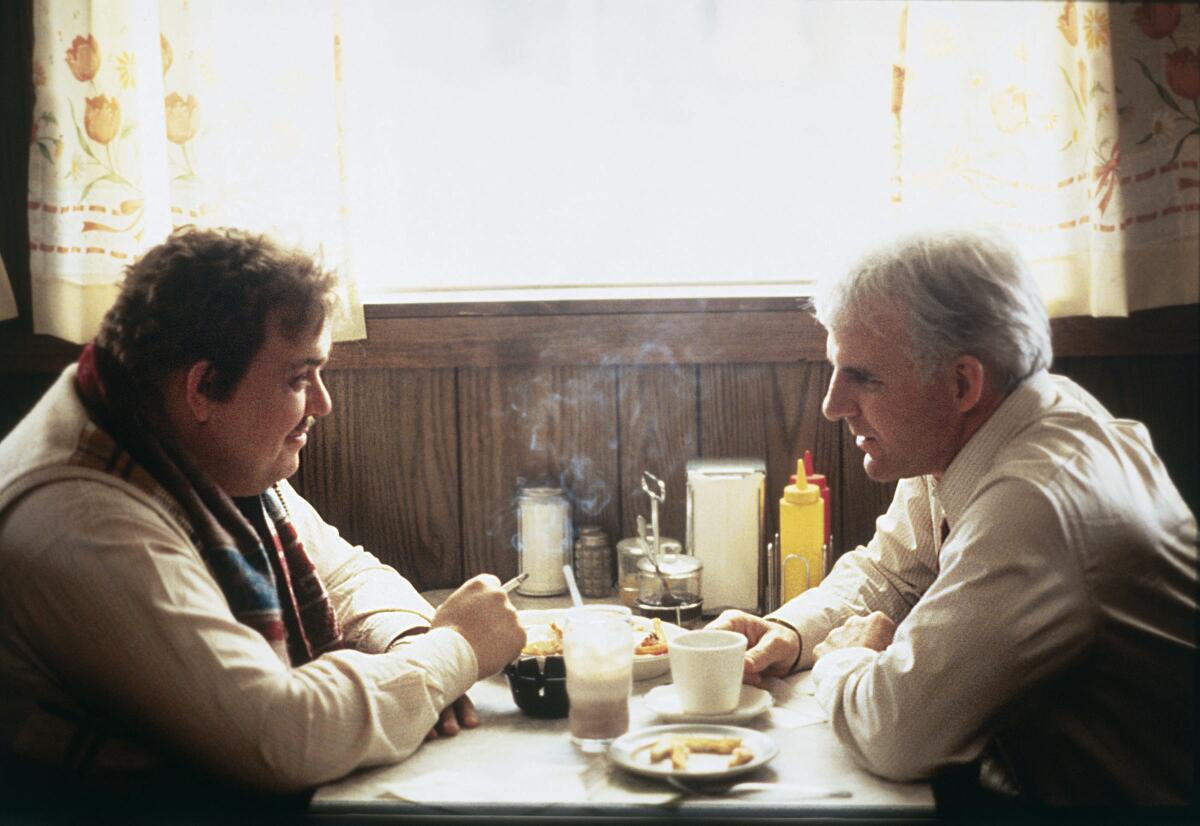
point(598, 301)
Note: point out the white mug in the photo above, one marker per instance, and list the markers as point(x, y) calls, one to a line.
point(707, 667)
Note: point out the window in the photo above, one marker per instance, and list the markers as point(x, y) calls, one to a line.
point(702, 147)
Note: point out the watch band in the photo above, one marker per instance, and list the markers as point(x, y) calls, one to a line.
point(799, 638)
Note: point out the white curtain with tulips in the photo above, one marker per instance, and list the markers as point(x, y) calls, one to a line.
point(151, 115)
point(1075, 127)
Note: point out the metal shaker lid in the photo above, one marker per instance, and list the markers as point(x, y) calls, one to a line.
point(633, 546)
point(672, 565)
point(539, 492)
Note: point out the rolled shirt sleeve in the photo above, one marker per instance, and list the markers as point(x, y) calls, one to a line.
point(1009, 610)
point(889, 574)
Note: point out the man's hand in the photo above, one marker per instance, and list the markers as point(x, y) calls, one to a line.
point(771, 650)
point(481, 612)
point(454, 718)
point(874, 631)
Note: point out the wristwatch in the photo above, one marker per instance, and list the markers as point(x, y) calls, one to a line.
point(799, 639)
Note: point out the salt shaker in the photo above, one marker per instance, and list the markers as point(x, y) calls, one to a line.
point(593, 562)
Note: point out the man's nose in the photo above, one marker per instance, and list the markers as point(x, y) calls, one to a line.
point(319, 401)
point(836, 404)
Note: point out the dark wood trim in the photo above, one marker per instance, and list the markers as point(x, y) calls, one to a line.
point(750, 331)
point(1165, 331)
point(683, 332)
point(644, 338)
point(608, 306)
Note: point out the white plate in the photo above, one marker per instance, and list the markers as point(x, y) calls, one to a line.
point(632, 751)
point(645, 666)
point(664, 701)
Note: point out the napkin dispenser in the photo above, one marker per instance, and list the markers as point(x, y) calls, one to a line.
point(725, 499)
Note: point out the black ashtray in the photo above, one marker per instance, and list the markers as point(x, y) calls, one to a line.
point(539, 692)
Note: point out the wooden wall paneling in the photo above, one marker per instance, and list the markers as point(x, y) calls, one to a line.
point(1160, 392)
point(522, 425)
point(658, 433)
point(587, 444)
point(771, 412)
point(383, 469)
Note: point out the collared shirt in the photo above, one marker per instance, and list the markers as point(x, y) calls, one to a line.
point(106, 606)
point(1055, 627)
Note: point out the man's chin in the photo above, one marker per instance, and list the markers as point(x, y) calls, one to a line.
point(878, 471)
point(289, 470)
point(284, 469)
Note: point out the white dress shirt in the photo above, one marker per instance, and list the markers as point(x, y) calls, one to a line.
point(1055, 628)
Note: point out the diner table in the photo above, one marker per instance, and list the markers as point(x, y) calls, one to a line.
point(522, 767)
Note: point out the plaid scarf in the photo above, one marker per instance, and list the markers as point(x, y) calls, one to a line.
point(268, 580)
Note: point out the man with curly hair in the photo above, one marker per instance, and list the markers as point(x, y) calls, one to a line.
point(171, 606)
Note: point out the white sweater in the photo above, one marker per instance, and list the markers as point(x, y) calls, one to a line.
point(106, 605)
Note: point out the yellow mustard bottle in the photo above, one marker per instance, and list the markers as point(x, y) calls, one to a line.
point(801, 536)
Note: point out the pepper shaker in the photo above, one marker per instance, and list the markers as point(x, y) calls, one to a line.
point(593, 562)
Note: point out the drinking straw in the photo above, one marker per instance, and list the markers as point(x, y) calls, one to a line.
point(575, 596)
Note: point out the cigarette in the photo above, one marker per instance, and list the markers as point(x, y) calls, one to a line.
point(514, 582)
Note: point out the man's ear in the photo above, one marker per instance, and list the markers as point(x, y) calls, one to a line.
point(197, 389)
point(970, 377)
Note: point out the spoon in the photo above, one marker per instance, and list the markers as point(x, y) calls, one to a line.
point(792, 791)
point(667, 597)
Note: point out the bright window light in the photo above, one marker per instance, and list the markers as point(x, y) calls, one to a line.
point(696, 147)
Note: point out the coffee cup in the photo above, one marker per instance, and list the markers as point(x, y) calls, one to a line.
point(706, 668)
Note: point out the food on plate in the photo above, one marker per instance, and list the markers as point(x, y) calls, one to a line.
point(680, 748)
point(549, 647)
point(740, 757)
point(654, 643)
point(712, 745)
point(546, 640)
point(679, 757)
point(661, 749)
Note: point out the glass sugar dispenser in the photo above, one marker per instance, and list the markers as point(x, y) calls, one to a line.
point(543, 539)
point(671, 591)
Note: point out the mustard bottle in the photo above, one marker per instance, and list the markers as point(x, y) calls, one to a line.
point(801, 535)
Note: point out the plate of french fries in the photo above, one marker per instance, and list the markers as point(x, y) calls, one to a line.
point(651, 640)
point(697, 751)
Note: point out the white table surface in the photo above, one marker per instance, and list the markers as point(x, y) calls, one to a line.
point(518, 765)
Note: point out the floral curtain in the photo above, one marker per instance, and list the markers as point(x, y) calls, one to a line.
point(151, 115)
point(1075, 127)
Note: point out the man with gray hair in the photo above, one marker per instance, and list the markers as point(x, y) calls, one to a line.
point(1025, 614)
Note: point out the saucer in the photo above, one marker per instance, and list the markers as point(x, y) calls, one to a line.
point(664, 701)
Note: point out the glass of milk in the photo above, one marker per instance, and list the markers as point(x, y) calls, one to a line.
point(598, 644)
